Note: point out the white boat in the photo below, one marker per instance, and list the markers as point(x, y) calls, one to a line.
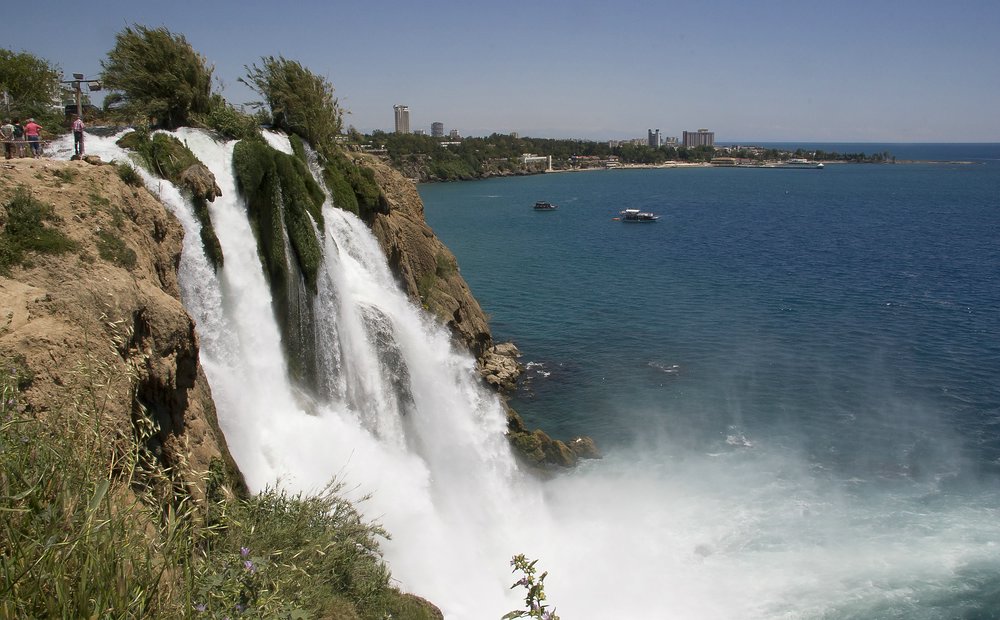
point(796, 162)
point(635, 215)
point(542, 205)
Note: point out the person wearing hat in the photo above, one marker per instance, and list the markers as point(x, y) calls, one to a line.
point(32, 132)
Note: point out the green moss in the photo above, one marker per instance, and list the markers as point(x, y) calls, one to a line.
point(445, 265)
point(209, 240)
point(112, 249)
point(25, 231)
point(354, 188)
point(167, 157)
point(335, 175)
point(298, 148)
point(281, 195)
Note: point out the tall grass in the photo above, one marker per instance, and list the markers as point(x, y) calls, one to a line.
point(93, 526)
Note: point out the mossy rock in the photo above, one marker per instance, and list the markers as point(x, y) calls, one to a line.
point(281, 195)
point(170, 159)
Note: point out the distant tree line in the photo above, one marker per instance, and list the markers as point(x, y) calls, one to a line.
point(428, 158)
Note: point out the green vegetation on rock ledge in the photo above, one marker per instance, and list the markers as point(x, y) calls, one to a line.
point(25, 231)
point(281, 193)
point(168, 158)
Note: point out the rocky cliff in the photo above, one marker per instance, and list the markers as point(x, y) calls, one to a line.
point(108, 312)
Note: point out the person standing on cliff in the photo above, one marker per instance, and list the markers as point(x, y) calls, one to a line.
point(7, 136)
point(32, 131)
point(78, 135)
point(18, 138)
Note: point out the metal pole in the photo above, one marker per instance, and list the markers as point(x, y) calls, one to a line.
point(79, 107)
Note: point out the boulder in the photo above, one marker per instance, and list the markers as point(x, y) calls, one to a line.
point(200, 180)
point(584, 448)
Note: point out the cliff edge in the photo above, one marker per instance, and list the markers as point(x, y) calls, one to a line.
point(108, 310)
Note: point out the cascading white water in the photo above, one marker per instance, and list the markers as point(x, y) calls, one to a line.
point(746, 533)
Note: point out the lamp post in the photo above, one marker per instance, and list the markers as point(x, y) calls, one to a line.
point(77, 85)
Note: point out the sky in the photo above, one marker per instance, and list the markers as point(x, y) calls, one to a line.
point(749, 70)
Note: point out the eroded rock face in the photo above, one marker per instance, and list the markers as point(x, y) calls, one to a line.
point(426, 268)
point(80, 320)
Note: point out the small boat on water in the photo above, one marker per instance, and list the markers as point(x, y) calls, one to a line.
point(542, 205)
point(635, 215)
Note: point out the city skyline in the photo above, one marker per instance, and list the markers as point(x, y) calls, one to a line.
point(772, 71)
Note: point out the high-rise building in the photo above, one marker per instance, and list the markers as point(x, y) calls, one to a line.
point(402, 118)
point(454, 135)
point(437, 130)
point(654, 140)
point(702, 137)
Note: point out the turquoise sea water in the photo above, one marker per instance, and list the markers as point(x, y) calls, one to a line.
point(848, 316)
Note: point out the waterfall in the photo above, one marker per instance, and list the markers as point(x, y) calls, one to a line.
point(400, 414)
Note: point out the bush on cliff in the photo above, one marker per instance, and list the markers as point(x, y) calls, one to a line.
point(27, 228)
point(159, 75)
point(300, 101)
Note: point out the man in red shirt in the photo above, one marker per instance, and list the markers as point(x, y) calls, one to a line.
point(78, 135)
point(31, 132)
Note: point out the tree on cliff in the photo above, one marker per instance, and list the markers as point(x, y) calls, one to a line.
point(300, 101)
point(31, 83)
point(159, 75)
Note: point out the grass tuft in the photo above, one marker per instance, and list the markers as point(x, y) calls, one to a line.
point(25, 231)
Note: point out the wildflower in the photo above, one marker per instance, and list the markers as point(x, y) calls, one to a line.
point(249, 566)
point(245, 551)
point(200, 607)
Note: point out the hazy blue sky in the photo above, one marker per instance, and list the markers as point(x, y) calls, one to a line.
point(872, 70)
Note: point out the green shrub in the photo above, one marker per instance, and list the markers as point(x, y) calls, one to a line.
point(128, 174)
point(230, 122)
point(24, 231)
point(300, 101)
point(65, 175)
point(112, 249)
point(159, 75)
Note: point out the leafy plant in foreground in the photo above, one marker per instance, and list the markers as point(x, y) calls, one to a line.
point(534, 591)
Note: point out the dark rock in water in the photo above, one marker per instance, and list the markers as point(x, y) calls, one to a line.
point(538, 449)
point(200, 180)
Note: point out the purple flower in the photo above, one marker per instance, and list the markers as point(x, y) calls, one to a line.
point(245, 551)
point(200, 607)
point(249, 566)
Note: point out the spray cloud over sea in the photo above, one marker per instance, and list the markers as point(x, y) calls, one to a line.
point(666, 526)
